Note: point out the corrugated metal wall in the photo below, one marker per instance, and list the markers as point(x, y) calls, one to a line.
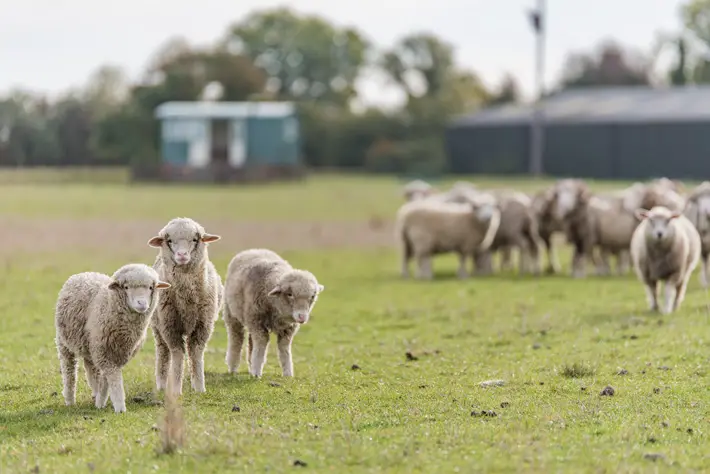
point(273, 140)
point(603, 150)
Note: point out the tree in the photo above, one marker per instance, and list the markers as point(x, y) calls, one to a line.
point(304, 56)
point(508, 92)
point(609, 65)
point(421, 64)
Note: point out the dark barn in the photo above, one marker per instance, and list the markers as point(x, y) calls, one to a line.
point(605, 133)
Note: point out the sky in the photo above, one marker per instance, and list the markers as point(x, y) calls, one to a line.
point(51, 45)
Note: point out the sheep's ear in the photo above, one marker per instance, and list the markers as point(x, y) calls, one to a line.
point(275, 291)
point(114, 285)
point(320, 288)
point(641, 214)
point(156, 242)
point(161, 285)
point(207, 238)
point(675, 215)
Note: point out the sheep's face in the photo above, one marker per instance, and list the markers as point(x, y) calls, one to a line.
point(483, 210)
point(138, 291)
point(565, 198)
point(184, 241)
point(295, 295)
point(659, 223)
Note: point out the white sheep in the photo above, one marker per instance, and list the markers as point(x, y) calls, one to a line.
point(189, 309)
point(665, 247)
point(417, 189)
point(263, 293)
point(698, 211)
point(104, 320)
point(426, 228)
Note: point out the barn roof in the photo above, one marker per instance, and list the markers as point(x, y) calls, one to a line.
point(605, 105)
point(217, 110)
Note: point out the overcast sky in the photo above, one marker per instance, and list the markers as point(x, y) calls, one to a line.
point(50, 45)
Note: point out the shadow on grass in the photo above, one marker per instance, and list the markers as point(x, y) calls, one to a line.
point(44, 416)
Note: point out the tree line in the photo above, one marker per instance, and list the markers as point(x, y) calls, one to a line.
point(280, 54)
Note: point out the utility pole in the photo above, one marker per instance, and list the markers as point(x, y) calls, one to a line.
point(538, 18)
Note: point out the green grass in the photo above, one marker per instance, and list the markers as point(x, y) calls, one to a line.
point(75, 193)
point(556, 342)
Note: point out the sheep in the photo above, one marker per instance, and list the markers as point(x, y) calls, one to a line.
point(417, 189)
point(104, 320)
point(426, 228)
point(614, 221)
point(189, 309)
point(548, 225)
point(569, 205)
point(665, 247)
point(518, 228)
point(698, 211)
point(263, 293)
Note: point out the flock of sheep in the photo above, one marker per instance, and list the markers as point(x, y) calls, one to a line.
point(104, 320)
point(658, 226)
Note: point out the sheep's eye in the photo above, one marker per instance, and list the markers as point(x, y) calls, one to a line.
point(289, 295)
point(151, 287)
point(169, 241)
point(195, 240)
point(125, 287)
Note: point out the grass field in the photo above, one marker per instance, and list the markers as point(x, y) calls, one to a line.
point(556, 342)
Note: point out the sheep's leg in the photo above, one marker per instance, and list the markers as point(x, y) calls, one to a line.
point(483, 261)
point(425, 271)
point(506, 259)
point(535, 265)
point(177, 360)
point(196, 354)
point(680, 293)
point(553, 262)
point(250, 349)
point(462, 273)
point(92, 377)
point(670, 294)
point(102, 391)
point(578, 263)
point(603, 265)
point(69, 367)
point(114, 381)
point(652, 295)
point(704, 270)
point(235, 341)
point(162, 361)
point(406, 258)
point(260, 340)
point(622, 262)
point(284, 341)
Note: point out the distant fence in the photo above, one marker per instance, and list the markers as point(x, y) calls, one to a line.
point(679, 150)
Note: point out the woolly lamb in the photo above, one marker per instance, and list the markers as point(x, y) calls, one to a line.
point(569, 205)
point(263, 293)
point(104, 321)
point(665, 247)
point(518, 228)
point(189, 309)
point(698, 211)
point(426, 228)
point(548, 226)
point(417, 189)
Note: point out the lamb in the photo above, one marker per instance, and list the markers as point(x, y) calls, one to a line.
point(263, 293)
point(665, 247)
point(418, 189)
point(189, 309)
point(426, 228)
point(547, 225)
point(104, 320)
point(518, 228)
point(698, 211)
point(569, 205)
